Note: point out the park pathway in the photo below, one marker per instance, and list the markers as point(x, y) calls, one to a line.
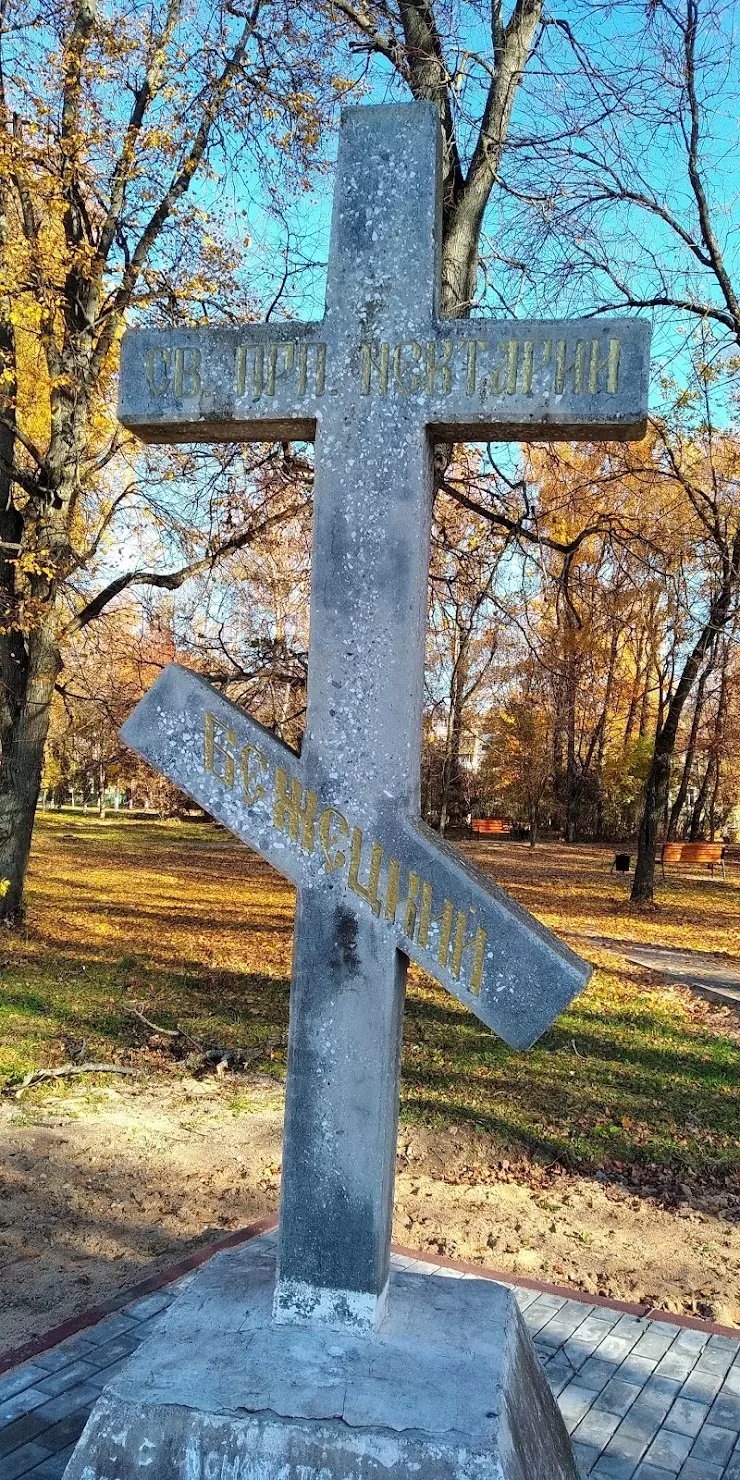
point(643, 1398)
point(714, 976)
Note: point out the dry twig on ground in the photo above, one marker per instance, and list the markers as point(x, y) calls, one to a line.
point(38, 1076)
point(214, 1055)
point(177, 1032)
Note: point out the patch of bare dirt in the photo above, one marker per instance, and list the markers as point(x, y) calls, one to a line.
point(96, 1197)
point(604, 1239)
point(98, 1189)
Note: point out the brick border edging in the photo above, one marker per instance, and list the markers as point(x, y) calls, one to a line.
point(568, 1292)
point(39, 1344)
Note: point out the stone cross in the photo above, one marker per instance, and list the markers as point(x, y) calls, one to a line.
point(374, 383)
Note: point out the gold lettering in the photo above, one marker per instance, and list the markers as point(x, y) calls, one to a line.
point(332, 827)
point(257, 352)
point(462, 943)
point(240, 371)
point(253, 789)
point(577, 369)
point(302, 368)
point(610, 364)
point(425, 914)
point(369, 892)
point(299, 355)
point(159, 384)
point(503, 376)
point(271, 363)
point(407, 380)
point(594, 366)
point(409, 914)
point(441, 367)
point(187, 381)
point(371, 359)
point(512, 366)
point(472, 346)
point(320, 380)
point(527, 366)
point(258, 371)
point(391, 894)
point(213, 748)
point(291, 813)
point(612, 377)
point(444, 921)
point(273, 350)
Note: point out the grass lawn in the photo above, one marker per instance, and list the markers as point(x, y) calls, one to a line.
point(179, 920)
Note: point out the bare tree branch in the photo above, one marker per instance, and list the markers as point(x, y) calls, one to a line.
point(173, 580)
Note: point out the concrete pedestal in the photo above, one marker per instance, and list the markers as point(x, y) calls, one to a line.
point(448, 1388)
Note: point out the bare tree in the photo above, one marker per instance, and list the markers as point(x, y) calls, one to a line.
point(435, 64)
point(107, 117)
point(631, 210)
point(711, 487)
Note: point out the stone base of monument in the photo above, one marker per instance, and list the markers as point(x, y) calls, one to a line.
point(448, 1387)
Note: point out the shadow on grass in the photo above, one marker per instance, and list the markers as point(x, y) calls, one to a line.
point(626, 1039)
point(623, 1076)
point(632, 1085)
point(175, 911)
point(231, 1008)
point(582, 1135)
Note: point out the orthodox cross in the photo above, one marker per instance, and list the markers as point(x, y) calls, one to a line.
point(375, 383)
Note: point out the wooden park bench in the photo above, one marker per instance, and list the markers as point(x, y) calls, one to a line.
point(706, 853)
point(490, 825)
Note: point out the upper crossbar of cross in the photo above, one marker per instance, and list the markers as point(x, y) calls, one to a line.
point(382, 342)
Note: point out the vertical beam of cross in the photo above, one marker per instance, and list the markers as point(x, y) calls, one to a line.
point(368, 612)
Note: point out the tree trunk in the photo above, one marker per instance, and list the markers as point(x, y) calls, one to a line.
point(30, 661)
point(571, 769)
point(452, 770)
point(656, 786)
point(559, 743)
point(678, 804)
point(719, 735)
point(598, 741)
point(714, 798)
point(635, 694)
point(645, 705)
point(16, 810)
point(659, 775)
point(22, 760)
point(697, 814)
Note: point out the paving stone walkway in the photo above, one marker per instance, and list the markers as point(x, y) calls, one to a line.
point(643, 1399)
